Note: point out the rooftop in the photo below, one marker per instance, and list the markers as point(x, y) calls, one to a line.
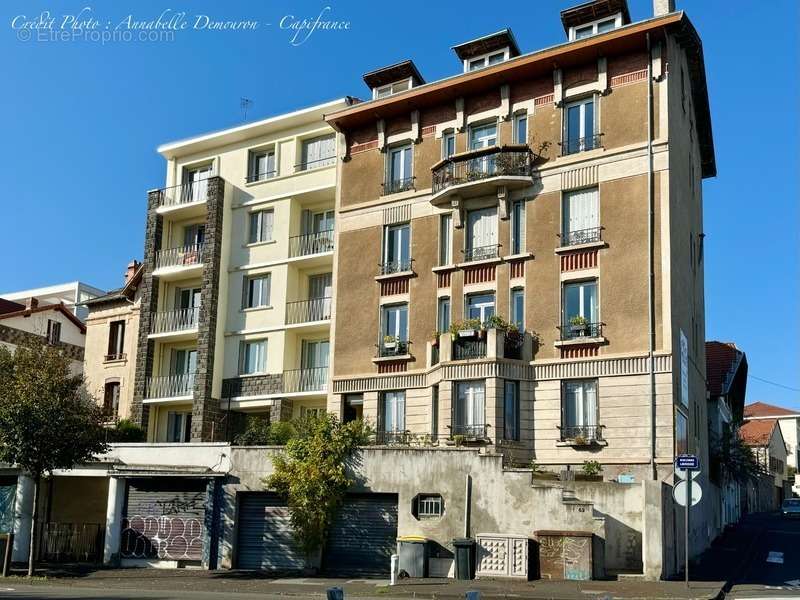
point(487, 43)
point(760, 410)
point(757, 433)
point(594, 10)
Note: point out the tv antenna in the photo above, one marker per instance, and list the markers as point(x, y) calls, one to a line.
point(245, 104)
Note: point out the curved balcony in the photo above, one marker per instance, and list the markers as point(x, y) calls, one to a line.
point(481, 172)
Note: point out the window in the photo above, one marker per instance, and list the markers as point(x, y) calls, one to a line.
point(584, 32)
point(579, 410)
point(195, 180)
point(308, 412)
point(183, 361)
point(394, 319)
point(521, 128)
point(579, 130)
point(448, 144)
point(179, 427)
point(481, 238)
point(517, 227)
point(580, 309)
point(318, 152)
point(394, 412)
point(194, 235)
point(322, 221)
point(396, 250)
point(443, 315)
point(315, 354)
point(392, 88)
point(480, 306)
point(253, 357)
point(53, 332)
point(589, 29)
point(482, 136)
point(116, 340)
point(400, 175)
point(446, 240)
point(434, 411)
point(261, 165)
point(681, 433)
point(428, 506)
point(581, 217)
point(469, 414)
point(605, 26)
point(256, 291)
point(511, 411)
point(111, 399)
point(261, 222)
point(487, 60)
point(518, 308)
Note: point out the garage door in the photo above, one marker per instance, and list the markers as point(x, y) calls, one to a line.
point(363, 536)
point(264, 538)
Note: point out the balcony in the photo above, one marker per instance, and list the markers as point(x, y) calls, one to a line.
point(168, 387)
point(396, 186)
point(311, 244)
point(262, 176)
point(184, 195)
point(175, 324)
point(575, 145)
point(470, 431)
point(310, 165)
point(308, 311)
point(178, 261)
point(469, 348)
point(580, 435)
point(581, 237)
point(481, 253)
point(394, 349)
point(395, 267)
point(579, 331)
point(481, 172)
point(306, 381)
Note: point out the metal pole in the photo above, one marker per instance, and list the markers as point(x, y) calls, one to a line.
point(686, 524)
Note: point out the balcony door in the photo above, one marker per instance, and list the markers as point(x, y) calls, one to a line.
point(580, 409)
point(579, 126)
point(470, 409)
point(480, 306)
point(315, 354)
point(194, 235)
point(397, 250)
point(483, 136)
point(395, 322)
point(580, 300)
point(187, 298)
point(581, 216)
point(196, 183)
point(482, 234)
point(394, 412)
point(320, 289)
point(183, 362)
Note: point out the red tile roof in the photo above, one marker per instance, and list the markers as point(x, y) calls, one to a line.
point(757, 433)
point(22, 311)
point(762, 409)
point(721, 358)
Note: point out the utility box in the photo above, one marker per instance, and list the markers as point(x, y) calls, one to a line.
point(464, 558)
point(413, 553)
point(504, 555)
point(565, 554)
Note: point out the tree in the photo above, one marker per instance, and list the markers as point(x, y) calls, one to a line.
point(312, 474)
point(260, 432)
point(47, 421)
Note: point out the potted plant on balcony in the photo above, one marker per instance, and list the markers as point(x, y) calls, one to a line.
point(590, 471)
point(389, 342)
point(465, 329)
point(578, 325)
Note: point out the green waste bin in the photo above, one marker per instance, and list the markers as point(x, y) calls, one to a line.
point(464, 558)
point(412, 552)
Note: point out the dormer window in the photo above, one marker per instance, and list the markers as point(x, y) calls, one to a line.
point(391, 88)
point(487, 51)
point(595, 27)
point(393, 79)
point(486, 61)
point(594, 17)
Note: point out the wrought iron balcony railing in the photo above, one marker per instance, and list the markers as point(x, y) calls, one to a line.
point(115, 356)
point(316, 164)
point(261, 176)
point(395, 266)
point(574, 145)
point(185, 193)
point(571, 331)
point(480, 164)
point(581, 236)
point(481, 253)
point(170, 321)
point(183, 256)
point(305, 380)
point(399, 348)
point(470, 431)
point(398, 185)
point(170, 386)
point(587, 433)
point(468, 348)
point(308, 311)
point(311, 243)
point(393, 438)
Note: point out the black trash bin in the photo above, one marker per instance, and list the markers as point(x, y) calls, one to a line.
point(412, 552)
point(465, 558)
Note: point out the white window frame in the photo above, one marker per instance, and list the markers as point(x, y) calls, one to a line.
point(398, 334)
point(447, 137)
point(253, 175)
point(259, 230)
point(482, 306)
point(391, 151)
point(520, 117)
point(517, 292)
point(184, 419)
point(446, 239)
point(389, 89)
point(484, 58)
point(484, 139)
point(264, 291)
point(585, 307)
point(473, 402)
point(386, 237)
point(617, 18)
point(566, 217)
point(582, 102)
point(583, 416)
point(261, 361)
point(398, 407)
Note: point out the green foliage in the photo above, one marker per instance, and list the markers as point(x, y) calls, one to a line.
point(463, 324)
point(312, 474)
point(126, 431)
point(578, 321)
point(591, 467)
point(47, 421)
point(735, 457)
point(260, 432)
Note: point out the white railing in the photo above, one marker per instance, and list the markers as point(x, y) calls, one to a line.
point(170, 386)
point(175, 320)
point(179, 257)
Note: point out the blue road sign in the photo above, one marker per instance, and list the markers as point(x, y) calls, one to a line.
point(688, 462)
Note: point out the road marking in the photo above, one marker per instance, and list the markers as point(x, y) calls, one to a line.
point(775, 557)
point(7, 590)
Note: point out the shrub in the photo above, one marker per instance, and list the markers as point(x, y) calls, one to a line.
point(126, 431)
point(260, 432)
point(591, 467)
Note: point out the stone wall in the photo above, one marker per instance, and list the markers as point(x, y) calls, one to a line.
point(17, 337)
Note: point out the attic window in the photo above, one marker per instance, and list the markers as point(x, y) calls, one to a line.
point(604, 25)
point(392, 88)
point(487, 60)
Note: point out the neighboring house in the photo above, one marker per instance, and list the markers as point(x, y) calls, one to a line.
point(765, 439)
point(726, 375)
point(789, 422)
point(112, 332)
point(72, 295)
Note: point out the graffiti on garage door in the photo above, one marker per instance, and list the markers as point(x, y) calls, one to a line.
point(162, 537)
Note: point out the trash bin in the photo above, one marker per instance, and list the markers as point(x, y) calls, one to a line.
point(413, 553)
point(465, 558)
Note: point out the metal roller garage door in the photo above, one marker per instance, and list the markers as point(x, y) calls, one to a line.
point(264, 538)
point(363, 536)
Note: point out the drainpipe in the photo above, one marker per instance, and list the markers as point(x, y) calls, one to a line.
point(650, 260)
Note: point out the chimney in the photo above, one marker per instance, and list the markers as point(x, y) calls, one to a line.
point(31, 303)
point(132, 266)
point(663, 7)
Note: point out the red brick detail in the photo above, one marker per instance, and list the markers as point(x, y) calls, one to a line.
point(633, 77)
point(486, 101)
point(398, 125)
point(628, 63)
point(479, 274)
point(443, 279)
point(578, 351)
point(362, 135)
point(438, 114)
point(531, 88)
point(392, 367)
point(355, 149)
point(542, 100)
point(575, 261)
point(517, 269)
point(428, 131)
point(392, 287)
point(582, 74)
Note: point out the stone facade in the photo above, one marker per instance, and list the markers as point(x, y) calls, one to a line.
point(17, 337)
point(258, 385)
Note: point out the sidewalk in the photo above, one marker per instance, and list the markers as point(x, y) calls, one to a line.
point(240, 582)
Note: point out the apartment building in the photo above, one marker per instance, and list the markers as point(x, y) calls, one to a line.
point(109, 362)
point(72, 295)
point(237, 284)
point(519, 262)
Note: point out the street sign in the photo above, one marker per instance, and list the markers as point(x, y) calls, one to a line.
point(680, 490)
point(689, 462)
point(681, 473)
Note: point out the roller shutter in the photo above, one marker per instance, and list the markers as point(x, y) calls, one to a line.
point(264, 536)
point(363, 536)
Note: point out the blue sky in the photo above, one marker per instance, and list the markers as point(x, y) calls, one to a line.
point(81, 120)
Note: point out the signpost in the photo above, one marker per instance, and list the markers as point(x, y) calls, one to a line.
point(687, 493)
